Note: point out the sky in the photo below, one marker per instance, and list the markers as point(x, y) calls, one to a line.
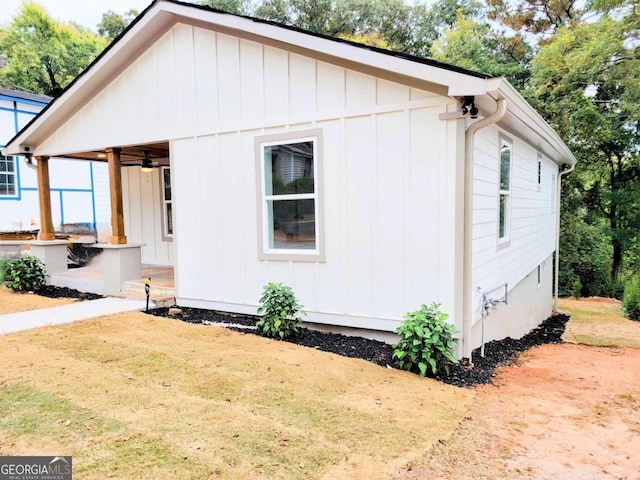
point(85, 12)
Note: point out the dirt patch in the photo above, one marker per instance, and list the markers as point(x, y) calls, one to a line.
point(564, 412)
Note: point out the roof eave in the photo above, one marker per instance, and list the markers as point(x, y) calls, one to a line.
point(522, 116)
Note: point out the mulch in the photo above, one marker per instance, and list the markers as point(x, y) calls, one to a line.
point(497, 352)
point(463, 374)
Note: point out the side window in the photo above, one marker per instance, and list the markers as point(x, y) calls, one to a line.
point(539, 270)
point(8, 181)
point(553, 193)
point(167, 205)
point(289, 182)
point(539, 172)
point(504, 215)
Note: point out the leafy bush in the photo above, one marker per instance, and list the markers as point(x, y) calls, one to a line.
point(585, 258)
point(631, 298)
point(24, 274)
point(279, 309)
point(426, 341)
point(3, 263)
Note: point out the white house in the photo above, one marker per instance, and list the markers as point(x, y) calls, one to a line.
point(350, 173)
point(80, 190)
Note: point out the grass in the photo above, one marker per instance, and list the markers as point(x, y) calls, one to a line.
point(599, 322)
point(135, 396)
point(11, 302)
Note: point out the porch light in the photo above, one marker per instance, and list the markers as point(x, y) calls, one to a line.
point(146, 166)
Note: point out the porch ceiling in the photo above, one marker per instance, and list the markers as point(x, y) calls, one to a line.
point(131, 155)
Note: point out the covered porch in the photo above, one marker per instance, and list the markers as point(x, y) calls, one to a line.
point(119, 265)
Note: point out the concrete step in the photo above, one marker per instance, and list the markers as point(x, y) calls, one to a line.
point(160, 296)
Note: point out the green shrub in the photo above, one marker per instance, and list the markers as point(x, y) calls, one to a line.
point(3, 264)
point(631, 298)
point(24, 274)
point(426, 341)
point(279, 309)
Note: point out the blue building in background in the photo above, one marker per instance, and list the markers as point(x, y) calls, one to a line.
point(79, 190)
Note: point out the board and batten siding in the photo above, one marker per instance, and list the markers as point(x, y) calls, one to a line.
point(390, 169)
point(533, 215)
point(142, 204)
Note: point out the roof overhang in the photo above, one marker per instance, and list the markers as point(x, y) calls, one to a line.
point(161, 15)
point(524, 121)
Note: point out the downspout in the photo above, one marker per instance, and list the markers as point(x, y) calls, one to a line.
point(557, 262)
point(467, 277)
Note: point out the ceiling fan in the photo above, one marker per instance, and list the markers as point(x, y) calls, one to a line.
point(147, 164)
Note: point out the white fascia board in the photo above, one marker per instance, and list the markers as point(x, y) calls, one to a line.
point(522, 118)
point(162, 15)
point(241, 26)
point(114, 60)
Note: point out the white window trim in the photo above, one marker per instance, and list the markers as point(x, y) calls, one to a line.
point(166, 236)
point(505, 241)
point(301, 255)
point(14, 174)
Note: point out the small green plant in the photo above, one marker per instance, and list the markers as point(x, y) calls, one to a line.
point(631, 298)
point(426, 341)
point(24, 274)
point(279, 309)
point(3, 263)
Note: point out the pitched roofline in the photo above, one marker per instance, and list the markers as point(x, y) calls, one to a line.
point(405, 56)
point(161, 15)
point(525, 116)
point(96, 60)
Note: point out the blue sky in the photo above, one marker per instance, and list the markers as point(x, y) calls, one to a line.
point(85, 12)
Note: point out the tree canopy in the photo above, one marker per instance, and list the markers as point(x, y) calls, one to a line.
point(41, 55)
point(577, 62)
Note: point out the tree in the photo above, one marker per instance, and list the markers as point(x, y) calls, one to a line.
point(237, 7)
point(395, 24)
point(476, 46)
point(113, 24)
point(585, 81)
point(42, 55)
point(539, 17)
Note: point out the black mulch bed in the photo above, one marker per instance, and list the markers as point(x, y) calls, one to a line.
point(502, 352)
point(64, 292)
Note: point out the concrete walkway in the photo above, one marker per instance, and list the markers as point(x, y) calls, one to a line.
point(17, 322)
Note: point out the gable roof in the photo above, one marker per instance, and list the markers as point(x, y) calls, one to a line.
point(425, 74)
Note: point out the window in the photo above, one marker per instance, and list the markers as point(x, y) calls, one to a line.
point(553, 193)
point(504, 216)
point(290, 192)
point(167, 205)
point(8, 183)
point(539, 172)
point(539, 276)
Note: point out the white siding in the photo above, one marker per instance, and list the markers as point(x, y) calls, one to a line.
point(532, 232)
point(142, 204)
point(389, 166)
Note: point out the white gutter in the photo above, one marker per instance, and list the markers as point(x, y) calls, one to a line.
point(467, 277)
point(557, 259)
